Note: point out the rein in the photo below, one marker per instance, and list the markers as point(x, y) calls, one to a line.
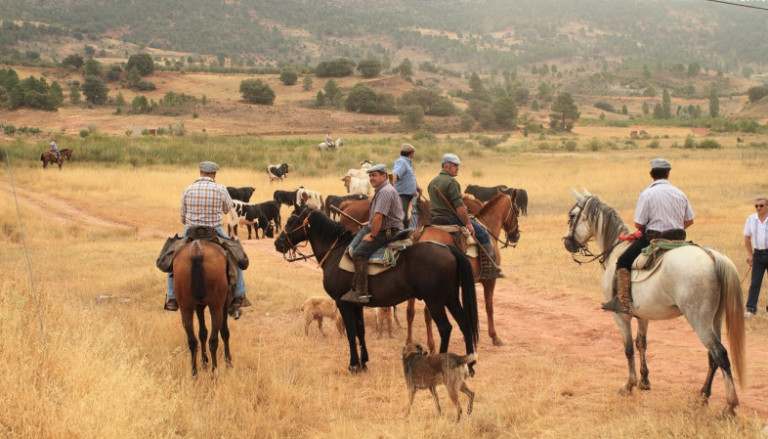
point(503, 221)
point(294, 247)
point(583, 249)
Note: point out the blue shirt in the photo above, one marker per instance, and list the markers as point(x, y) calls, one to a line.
point(406, 178)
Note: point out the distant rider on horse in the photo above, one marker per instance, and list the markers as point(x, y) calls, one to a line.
point(55, 149)
point(328, 140)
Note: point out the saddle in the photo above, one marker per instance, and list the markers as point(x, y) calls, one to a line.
point(462, 239)
point(382, 259)
point(235, 253)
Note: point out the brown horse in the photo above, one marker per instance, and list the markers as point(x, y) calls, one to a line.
point(430, 271)
point(499, 213)
point(50, 157)
point(199, 281)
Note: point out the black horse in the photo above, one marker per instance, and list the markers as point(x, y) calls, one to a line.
point(427, 271)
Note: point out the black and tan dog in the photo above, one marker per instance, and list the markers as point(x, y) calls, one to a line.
point(424, 371)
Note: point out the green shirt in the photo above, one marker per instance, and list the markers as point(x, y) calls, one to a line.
point(452, 191)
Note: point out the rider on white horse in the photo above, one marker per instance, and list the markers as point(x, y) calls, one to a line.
point(661, 208)
point(328, 140)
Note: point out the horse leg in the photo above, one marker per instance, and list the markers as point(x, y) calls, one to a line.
point(624, 322)
point(348, 316)
point(186, 320)
point(202, 334)
point(443, 326)
point(361, 337)
point(410, 312)
point(642, 344)
point(430, 335)
point(217, 317)
point(718, 358)
point(489, 285)
point(225, 338)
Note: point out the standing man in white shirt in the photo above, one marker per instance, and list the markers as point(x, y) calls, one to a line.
point(756, 242)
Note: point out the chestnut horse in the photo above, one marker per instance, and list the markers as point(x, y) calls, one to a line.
point(499, 213)
point(200, 281)
point(429, 271)
point(50, 157)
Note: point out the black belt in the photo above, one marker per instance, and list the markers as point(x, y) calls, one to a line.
point(652, 234)
point(761, 251)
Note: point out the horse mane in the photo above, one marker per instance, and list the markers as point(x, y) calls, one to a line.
point(608, 223)
point(490, 203)
point(327, 228)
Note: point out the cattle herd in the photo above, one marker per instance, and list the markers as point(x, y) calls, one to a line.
point(264, 218)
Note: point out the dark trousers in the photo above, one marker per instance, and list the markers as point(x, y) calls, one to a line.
point(628, 257)
point(759, 265)
point(366, 249)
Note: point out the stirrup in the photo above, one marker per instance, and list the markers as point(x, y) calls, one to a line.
point(352, 296)
point(615, 306)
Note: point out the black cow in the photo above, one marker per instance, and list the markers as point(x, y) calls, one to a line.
point(271, 210)
point(241, 194)
point(250, 214)
point(335, 200)
point(277, 172)
point(484, 194)
point(286, 197)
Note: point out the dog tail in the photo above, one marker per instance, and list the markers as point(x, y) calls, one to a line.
point(466, 359)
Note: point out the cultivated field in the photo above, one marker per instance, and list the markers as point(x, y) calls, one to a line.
point(89, 352)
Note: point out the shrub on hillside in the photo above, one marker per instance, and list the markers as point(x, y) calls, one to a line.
point(255, 91)
point(709, 144)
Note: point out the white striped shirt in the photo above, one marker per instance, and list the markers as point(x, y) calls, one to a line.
point(663, 207)
point(758, 231)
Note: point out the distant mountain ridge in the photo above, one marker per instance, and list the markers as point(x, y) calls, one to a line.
point(478, 35)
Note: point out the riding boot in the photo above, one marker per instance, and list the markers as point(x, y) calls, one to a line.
point(359, 292)
point(488, 269)
point(621, 301)
point(171, 305)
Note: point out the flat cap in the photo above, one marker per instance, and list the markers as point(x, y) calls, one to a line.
point(208, 167)
point(451, 158)
point(659, 163)
point(407, 147)
point(380, 168)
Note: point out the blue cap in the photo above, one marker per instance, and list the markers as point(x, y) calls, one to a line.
point(451, 158)
point(380, 167)
point(660, 163)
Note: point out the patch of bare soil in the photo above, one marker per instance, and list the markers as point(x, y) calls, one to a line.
point(528, 321)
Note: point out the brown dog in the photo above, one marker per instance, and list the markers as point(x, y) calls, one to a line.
point(383, 319)
point(424, 371)
point(319, 307)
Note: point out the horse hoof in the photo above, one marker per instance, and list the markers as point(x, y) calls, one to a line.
point(497, 341)
point(354, 368)
point(644, 386)
point(623, 390)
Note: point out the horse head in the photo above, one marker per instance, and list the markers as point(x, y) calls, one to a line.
point(579, 229)
point(295, 231)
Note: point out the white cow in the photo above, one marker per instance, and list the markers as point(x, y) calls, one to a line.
point(313, 199)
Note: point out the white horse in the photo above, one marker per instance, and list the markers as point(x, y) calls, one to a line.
point(322, 146)
point(699, 283)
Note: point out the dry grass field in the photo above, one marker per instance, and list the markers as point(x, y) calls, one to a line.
point(89, 352)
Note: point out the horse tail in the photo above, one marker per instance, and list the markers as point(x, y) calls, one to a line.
point(730, 293)
point(198, 274)
point(468, 295)
point(42, 157)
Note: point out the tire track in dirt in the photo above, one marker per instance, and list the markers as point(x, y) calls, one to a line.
point(60, 210)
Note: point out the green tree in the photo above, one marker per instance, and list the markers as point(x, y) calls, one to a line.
point(56, 95)
point(74, 93)
point(405, 69)
point(320, 99)
point(369, 67)
point(412, 116)
point(307, 83)
point(119, 100)
point(505, 112)
point(92, 67)
point(94, 89)
point(140, 105)
point(564, 113)
point(114, 72)
point(666, 104)
point(756, 93)
point(361, 99)
point(714, 103)
point(73, 61)
point(693, 69)
point(333, 93)
point(289, 76)
point(476, 88)
point(255, 91)
point(545, 92)
point(143, 62)
point(132, 76)
point(337, 68)
point(658, 112)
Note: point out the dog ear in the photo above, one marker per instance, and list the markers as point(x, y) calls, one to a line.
point(421, 350)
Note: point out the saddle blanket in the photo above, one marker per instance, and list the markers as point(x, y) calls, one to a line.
point(381, 260)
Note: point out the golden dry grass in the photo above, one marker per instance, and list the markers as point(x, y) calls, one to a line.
point(108, 362)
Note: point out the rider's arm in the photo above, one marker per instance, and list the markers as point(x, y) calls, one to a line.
point(378, 219)
point(461, 212)
point(686, 224)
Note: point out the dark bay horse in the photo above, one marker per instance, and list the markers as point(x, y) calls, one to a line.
point(698, 283)
point(500, 213)
point(200, 281)
point(428, 271)
point(50, 157)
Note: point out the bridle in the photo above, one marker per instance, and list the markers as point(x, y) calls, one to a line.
point(293, 249)
point(582, 249)
point(505, 224)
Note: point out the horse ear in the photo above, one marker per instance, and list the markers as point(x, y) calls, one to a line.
point(578, 196)
point(586, 193)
